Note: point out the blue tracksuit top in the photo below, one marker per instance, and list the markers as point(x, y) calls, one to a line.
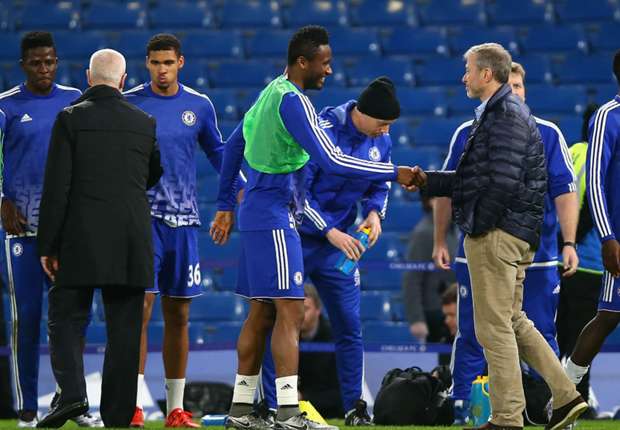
point(276, 201)
point(331, 201)
point(603, 169)
point(561, 180)
point(26, 122)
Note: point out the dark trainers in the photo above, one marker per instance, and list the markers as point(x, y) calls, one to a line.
point(301, 422)
point(358, 416)
point(247, 422)
point(567, 414)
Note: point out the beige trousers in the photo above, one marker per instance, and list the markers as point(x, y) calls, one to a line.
point(497, 263)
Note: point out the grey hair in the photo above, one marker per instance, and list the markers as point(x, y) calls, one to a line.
point(492, 56)
point(107, 66)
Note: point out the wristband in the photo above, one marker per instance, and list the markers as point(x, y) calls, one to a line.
point(573, 244)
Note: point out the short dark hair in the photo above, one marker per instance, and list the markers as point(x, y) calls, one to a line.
point(585, 125)
point(305, 42)
point(617, 66)
point(36, 39)
point(449, 295)
point(164, 42)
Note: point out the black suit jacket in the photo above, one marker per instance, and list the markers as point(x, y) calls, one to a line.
point(94, 213)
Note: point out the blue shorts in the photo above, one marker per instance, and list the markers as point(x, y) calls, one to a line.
point(271, 265)
point(609, 299)
point(177, 263)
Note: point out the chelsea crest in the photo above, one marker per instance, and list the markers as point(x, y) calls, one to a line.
point(374, 154)
point(189, 118)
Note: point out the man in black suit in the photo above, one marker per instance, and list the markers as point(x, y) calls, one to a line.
point(95, 232)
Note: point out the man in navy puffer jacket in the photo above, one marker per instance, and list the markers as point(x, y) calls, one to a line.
point(497, 193)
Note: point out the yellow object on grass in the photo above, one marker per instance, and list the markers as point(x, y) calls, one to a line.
point(311, 412)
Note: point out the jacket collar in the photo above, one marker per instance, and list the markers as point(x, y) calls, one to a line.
point(99, 92)
point(499, 94)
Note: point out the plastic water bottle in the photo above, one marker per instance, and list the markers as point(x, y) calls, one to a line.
point(479, 401)
point(214, 420)
point(345, 264)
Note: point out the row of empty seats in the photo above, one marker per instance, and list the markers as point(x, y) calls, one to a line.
point(102, 14)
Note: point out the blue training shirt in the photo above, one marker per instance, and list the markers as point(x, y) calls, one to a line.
point(184, 119)
point(331, 201)
point(603, 169)
point(276, 201)
point(26, 122)
point(561, 180)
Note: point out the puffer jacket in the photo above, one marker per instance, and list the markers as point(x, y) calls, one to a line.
point(501, 179)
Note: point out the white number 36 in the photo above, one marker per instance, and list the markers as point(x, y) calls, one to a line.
point(194, 276)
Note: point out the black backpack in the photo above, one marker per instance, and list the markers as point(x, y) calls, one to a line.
point(414, 397)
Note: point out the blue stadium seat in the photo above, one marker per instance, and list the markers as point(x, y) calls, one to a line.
point(96, 333)
point(222, 44)
point(226, 279)
point(579, 11)
point(78, 46)
point(604, 93)
point(578, 69)
point(414, 41)
point(377, 277)
point(51, 16)
point(194, 75)
point(570, 125)
point(222, 306)
point(156, 312)
point(545, 99)
point(362, 72)
point(11, 43)
point(504, 12)
point(43, 339)
point(321, 12)
point(401, 131)
point(450, 12)
point(137, 74)
point(605, 38)
point(226, 103)
point(64, 75)
point(113, 16)
point(249, 14)
point(358, 42)
point(613, 339)
point(375, 306)
point(537, 68)
point(422, 101)
point(461, 39)
point(339, 77)
point(386, 332)
point(386, 13)
point(333, 97)
point(457, 102)
point(213, 253)
point(398, 310)
point(242, 74)
point(155, 334)
point(207, 189)
point(181, 15)
point(227, 127)
point(267, 43)
point(222, 332)
point(133, 44)
point(402, 217)
point(565, 39)
point(440, 71)
point(388, 247)
point(195, 332)
point(436, 132)
point(13, 75)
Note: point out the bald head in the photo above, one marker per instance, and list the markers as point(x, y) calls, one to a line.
point(107, 67)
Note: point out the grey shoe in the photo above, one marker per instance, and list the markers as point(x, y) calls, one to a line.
point(87, 420)
point(301, 422)
point(247, 422)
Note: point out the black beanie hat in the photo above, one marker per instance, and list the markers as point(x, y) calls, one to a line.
point(379, 100)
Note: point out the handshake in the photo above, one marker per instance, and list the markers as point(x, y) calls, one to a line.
point(411, 178)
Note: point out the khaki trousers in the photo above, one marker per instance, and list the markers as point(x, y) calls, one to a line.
point(497, 263)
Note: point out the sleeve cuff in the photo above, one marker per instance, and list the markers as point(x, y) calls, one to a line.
point(558, 190)
point(608, 237)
